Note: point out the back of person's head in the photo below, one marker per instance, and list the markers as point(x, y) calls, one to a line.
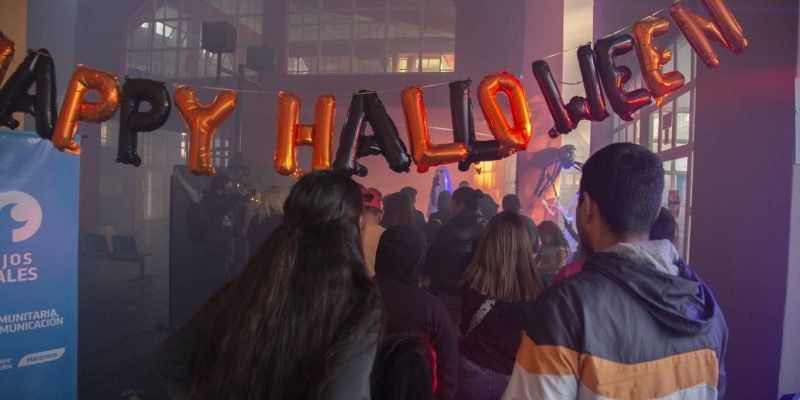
point(664, 226)
point(405, 369)
point(443, 202)
point(398, 210)
point(219, 181)
point(410, 192)
point(272, 199)
point(276, 329)
point(487, 205)
point(502, 266)
point(511, 203)
point(467, 197)
point(626, 182)
point(401, 254)
point(373, 203)
point(463, 184)
point(551, 233)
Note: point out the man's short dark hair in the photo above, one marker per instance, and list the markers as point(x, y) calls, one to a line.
point(511, 203)
point(626, 181)
point(664, 226)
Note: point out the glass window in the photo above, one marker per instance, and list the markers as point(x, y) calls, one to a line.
point(675, 198)
point(166, 40)
point(381, 36)
point(334, 59)
point(668, 133)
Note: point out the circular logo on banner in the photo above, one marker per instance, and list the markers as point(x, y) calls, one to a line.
point(20, 216)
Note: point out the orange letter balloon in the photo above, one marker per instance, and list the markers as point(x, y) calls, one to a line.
point(424, 153)
point(651, 58)
point(512, 139)
point(76, 108)
point(723, 29)
point(6, 54)
point(203, 121)
point(291, 134)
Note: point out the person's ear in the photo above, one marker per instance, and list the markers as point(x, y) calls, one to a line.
point(584, 206)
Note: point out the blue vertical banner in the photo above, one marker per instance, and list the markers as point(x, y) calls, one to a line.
point(38, 269)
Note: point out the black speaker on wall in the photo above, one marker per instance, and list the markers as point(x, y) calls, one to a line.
point(260, 58)
point(218, 37)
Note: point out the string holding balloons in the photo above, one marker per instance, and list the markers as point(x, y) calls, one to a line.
point(604, 82)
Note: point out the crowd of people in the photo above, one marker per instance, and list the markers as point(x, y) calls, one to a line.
point(350, 294)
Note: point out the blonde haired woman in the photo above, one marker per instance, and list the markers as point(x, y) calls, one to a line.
point(268, 218)
point(499, 281)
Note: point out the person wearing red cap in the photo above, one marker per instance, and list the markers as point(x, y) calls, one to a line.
point(371, 230)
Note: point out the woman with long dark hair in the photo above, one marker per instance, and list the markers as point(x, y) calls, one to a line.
point(499, 281)
point(302, 321)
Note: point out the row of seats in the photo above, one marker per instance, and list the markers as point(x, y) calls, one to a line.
point(123, 248)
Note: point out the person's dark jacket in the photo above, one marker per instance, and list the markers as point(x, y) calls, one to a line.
point(442, 215)
point(259, 230)
point(494, 342)
point(638, 321)
point(408, 308)
point(450, 253)
point(217, 206)
point(419, 219)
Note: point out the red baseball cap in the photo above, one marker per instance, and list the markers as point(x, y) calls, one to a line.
point(372, 198)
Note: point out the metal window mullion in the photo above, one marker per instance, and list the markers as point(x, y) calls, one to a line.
point(386, 38)
point(687, 222)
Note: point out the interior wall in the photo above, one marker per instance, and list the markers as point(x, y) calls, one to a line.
point(744, 150)
point(790, 352)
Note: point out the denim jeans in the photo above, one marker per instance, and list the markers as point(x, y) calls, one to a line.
point(478, 383)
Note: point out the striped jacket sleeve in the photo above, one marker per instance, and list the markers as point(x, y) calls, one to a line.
point(547, 368)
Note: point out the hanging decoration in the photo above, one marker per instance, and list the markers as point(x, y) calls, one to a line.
point(366, 107)
point(464, 127)
point(291, 134)
point(37, 68)
point(424, 153)
point(723, 29)
point(602, 78)
point(203, 121)
point(565, 160)
point(592, 107)
point(76, 108)
point(511, 138)
point(132, 121)
point(652, 58)
point(6, 54)
point(615, 76)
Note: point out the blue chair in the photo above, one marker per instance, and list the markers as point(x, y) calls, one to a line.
point(125, 249)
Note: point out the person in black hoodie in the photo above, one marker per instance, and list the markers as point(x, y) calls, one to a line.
point(408, 308)
point(636, 322)
point(450, 252)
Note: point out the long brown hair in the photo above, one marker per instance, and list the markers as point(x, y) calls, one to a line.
point(398, 210)
point(275, 331)
point(503, 265)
